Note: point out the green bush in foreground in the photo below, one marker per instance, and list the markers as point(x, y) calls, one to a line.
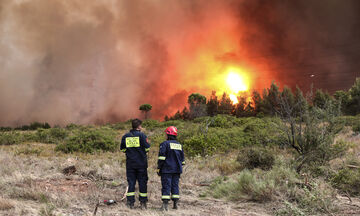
point(89, 141)
point(279, 183)
point(347, 180)
point(10, 138)
point(248, 186)
point(252, 158)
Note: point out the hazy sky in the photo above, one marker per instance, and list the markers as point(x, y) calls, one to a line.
point(82, 61)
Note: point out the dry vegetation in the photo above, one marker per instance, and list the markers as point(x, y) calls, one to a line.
point(32, 182)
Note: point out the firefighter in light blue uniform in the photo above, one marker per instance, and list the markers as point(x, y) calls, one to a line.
point(171, 160)
point(135, 144)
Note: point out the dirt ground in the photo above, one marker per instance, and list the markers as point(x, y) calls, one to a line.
point(32, 183)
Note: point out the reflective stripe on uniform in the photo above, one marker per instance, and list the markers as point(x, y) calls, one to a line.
point(123, 150)
point(147, 149)
point(143, 194)
point(130, 194)
point(162, 157)
point(175, 196)
point(165, 197)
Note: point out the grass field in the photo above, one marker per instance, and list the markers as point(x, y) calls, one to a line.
point(223, 181)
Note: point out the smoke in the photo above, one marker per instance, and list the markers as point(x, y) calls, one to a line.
point(80, 61)
point(304, 38)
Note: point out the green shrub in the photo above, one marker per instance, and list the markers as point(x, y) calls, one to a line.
point(198, 139)
point(10, 138)
point(248, 186)
point(252, 158)
point(151, 124)
point(73, 126)
point(30, 136)
point(119, 126)
point(176, 123)
point(318, 198)
point(210, 142)
point(356, 127)
point(261, 131)
point(222, 121)
point(283, 174)
point(279, 183)
point(196, 145)
point(350, 120)
point(347, 180)
point(289, 209)
point(90, 140)
point(5, 129)
point(34, 126)
point(52, 135)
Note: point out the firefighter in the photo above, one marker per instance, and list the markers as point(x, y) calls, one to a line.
point(135, 145)
point(171, 160)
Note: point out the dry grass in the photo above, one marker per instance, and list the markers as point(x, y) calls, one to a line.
point(33, 179)
point(5, 204)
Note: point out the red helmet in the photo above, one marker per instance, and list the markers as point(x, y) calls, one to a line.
point(171, 131)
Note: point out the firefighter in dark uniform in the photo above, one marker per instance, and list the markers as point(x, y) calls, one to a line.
point(135, 144)
point(171, 160)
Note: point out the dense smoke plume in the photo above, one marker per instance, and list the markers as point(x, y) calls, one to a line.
point(81, 61)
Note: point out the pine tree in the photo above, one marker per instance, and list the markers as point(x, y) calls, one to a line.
point(212, 105)
point(225, 105)
point(197, 105)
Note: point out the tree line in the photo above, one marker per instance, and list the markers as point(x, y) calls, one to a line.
point(272, 101)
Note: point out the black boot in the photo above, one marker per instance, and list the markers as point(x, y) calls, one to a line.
point(164, 206)
point(143, 205)
point(175, 204)
point(130, 205)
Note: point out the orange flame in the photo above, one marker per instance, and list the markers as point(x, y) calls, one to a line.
point(237, 82)
point(212, 61)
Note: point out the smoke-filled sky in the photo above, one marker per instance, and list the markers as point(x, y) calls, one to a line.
point(96, 61)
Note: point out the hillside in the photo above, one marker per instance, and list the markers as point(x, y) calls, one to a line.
point(235, 166)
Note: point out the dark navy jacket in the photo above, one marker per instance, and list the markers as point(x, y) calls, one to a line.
point(135, 145)
point(171, 157)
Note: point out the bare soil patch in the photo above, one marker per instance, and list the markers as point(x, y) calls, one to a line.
point(67, 185)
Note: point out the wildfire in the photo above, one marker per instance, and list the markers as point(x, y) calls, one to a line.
point(212, 63)
point(233, 98)
point(237, 81)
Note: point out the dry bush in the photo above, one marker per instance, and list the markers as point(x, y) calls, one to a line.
point(226, 164)
point(256, 157)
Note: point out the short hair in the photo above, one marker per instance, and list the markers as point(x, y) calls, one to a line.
point(135, 123)
point(171, 137)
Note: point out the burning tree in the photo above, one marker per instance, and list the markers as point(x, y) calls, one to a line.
point(145, 108)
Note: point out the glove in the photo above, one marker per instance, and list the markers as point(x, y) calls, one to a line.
point(158, 172)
